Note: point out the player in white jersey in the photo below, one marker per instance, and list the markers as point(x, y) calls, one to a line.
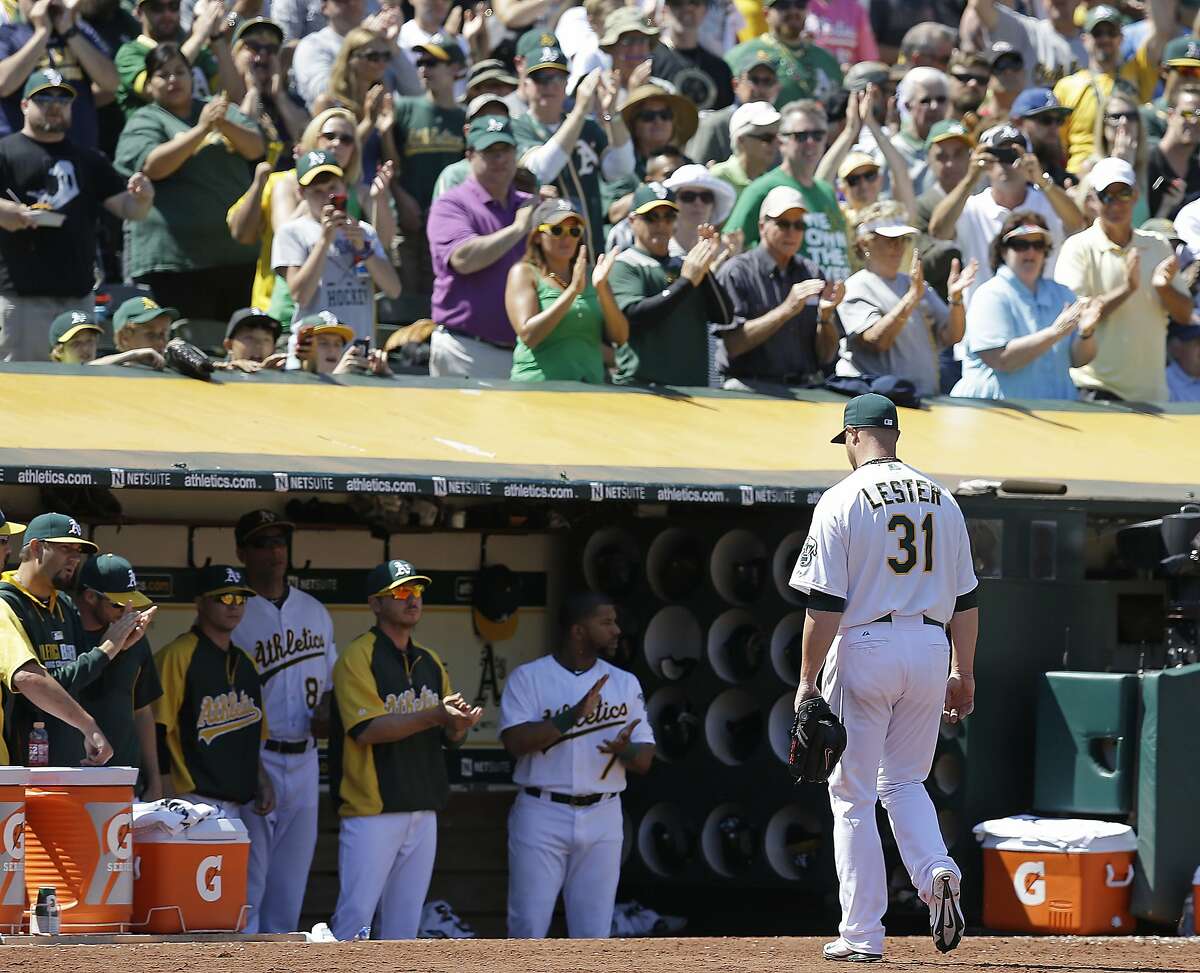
point(887, 567)
point(289, 635)
point(576, 725)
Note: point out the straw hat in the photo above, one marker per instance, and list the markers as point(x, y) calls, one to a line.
point(687, 116)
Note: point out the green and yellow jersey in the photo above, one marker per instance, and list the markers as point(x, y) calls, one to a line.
point(211, 708)
point(15, 652)
point(373, 678)
point(131, 70)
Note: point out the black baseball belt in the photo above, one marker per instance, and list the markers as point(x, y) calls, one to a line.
point(574, 800)
point(924, 618)
point(286, 746)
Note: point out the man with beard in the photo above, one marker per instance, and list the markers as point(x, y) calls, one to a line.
point(51, 192)
point(806, 71)
point(52, 35)
point(970, 73)
point(1083, 90)
point(256, 46)
point(32, 596)
point(1173, 169)
point(1037, 113)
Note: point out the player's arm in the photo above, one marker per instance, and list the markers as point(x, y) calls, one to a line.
point(960, 685)
point(40, 688)
point(536, 735)
point(147, 736)
point(821, 622)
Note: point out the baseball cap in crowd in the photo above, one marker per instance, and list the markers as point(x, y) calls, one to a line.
point(1027, 229)
point(651, 195)
point(1111, 170)
point(1103, 14)
point(139, 310)
point(779, 200)
point(9, 527)
point(221, 579)
point(482, 105)
point(489, 69)
point(541, 50)
point(57, 528)
point(443, 47)
point(864, 73)
point(68, 324)
point(489, 130)
point(326, 322)
point(752, 115)
point(885, 226)
point(1182, 52)
point(258, 23)
point(1038, 102)
point(945, 130)
point(251, 316)
point(257, 520)
point(1001, 135)
point(45, 80)
point(855, 161)
point(552, 211)
point(113, 577)
point(626, 20)
point(754, 57)
point(1003, 49)
point(868, 411)
point(393, 574)
point(312, 164)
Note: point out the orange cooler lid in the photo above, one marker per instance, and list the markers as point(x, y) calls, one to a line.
point(208, 831)
point(82, 776)
point(14, 776)
point(1069, 836)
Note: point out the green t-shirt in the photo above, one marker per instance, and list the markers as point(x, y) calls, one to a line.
point(131, 70)
point(453, 175)
point(127, 683)
point(732, 172)
point(825, 242)
point(673, 351)
point(428, 139)
point(569, 353)
point(186, 228)
point(805, 72)
point(578, 180)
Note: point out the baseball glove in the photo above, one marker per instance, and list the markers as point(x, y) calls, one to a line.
point(188, 360)
point(818, 739)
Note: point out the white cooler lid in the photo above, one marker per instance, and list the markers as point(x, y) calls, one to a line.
point(208, 831)
point(14, 776)
point(1072, 836)
point(82, 776)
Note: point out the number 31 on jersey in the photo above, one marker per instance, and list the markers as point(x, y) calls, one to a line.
point(907, 555)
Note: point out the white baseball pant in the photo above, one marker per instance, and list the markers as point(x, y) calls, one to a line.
point(555, 846)
point(282, 842)
point(887, 682)
point(384, 860)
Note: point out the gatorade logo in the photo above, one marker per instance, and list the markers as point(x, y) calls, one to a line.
point(1029, 882)
point(110, 881)
point(208, 878)
point(12, 839)
point(116, 836)
point(12, 854)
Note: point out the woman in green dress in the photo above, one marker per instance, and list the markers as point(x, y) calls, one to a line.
point(561, 320)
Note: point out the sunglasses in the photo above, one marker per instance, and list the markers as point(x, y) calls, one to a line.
point(1024, 246)
point(229, 598)
point(933, 101)
point(858, 177)
point(649, 115)
point(660, 216)
point(816, 135)
point(405, 591)
point(269, 49)
point(1191, 113)
point(1119, 195)
point(788, 225)
point(1116, 116)
point(962, 78)
point(558, 229)
point(695, 196)
point(378, 57)
point(336, 138)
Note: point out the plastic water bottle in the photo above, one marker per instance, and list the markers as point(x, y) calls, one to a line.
point(39, 746)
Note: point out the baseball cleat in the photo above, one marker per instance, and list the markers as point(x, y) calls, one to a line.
point(840, 952)
point(945, 914)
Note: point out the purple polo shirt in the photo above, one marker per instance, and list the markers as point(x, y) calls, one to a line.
point(472, 303)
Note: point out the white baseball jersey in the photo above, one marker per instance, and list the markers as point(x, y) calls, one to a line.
point(887, 539)
point(294, 652)
point(539, 690)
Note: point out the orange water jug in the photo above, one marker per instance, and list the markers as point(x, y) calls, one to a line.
point(12, 848)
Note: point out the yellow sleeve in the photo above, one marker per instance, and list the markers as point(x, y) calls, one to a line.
point(15, 648)
point(354, 685)
point(1141, 72)
point(173, 662)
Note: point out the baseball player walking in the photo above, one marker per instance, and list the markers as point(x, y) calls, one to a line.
point(289, 635)
point(887, 567)
point(576, 725)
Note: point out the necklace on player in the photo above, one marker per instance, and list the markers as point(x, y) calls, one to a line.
point(882, 459)
point(558, 280)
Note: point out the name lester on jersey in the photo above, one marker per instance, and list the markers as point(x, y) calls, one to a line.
point(275, 653)
point(902, 491)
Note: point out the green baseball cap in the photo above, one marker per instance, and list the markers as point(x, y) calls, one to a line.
point(45, 80)
point(392, 574)
point(258, 23)
point(1104, 14)
point(866, 411)
point(312, 164)
point(651, 195)
point(139, 310)
point(443, 47)
point(221, 579)
point(541, 50)
point(1183, 52)
point(753, 56)
point(488, 130)
point(58, 528)
point(113, 577)
point(68, 324)
point(947, 129)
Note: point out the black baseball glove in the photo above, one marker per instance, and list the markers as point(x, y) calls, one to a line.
point(188, 360)
point(818, 739)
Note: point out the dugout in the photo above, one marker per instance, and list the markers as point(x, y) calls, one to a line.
point(688, 506)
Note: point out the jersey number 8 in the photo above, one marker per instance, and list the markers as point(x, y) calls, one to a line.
point(312, 690)
point(906, 534)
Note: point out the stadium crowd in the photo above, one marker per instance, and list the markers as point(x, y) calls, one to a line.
point(990, 199)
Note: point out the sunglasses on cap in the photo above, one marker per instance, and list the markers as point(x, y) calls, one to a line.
point(404, 592)
point(557, 229)
point(1024, 246)
point(651, 115)
point(695, 196)
point(854, 179)
point(1115, 194)
point(230, 598)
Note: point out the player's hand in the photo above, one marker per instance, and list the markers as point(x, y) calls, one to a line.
point(127, 629)
point(800, 293)
point(459, 715)
point(620, 743)
point(264, 800)
point(39, 15)
point(1089, 317)
point(699, 259)
point(960, 697)
point(591, 700)
point(980, 159)
point(916, 287)
point(14, 216)
point(960, 279)
point(805, 691)
point(641, 74)
point(1165, 272)
point(99, 751)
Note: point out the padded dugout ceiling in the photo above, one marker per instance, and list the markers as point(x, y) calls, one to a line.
point(565, 433)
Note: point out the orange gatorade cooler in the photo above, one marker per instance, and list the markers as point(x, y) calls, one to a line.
point(12, 847)
point(194, 881)
point(79, 838)
point(1062, 876)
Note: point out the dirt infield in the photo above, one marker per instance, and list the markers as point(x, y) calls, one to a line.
point(991, 954)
